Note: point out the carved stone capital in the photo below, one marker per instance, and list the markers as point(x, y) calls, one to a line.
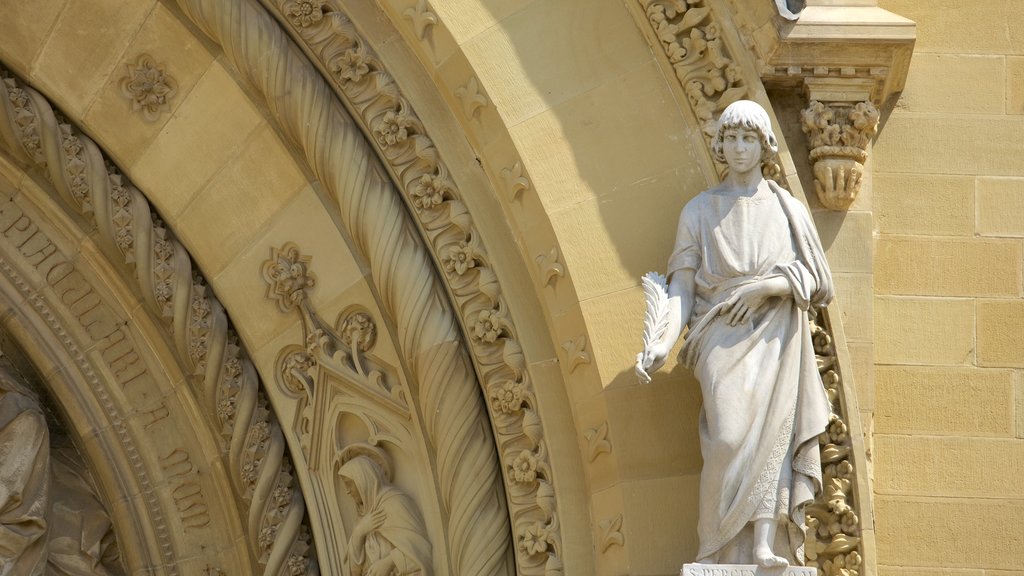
point(838, 135)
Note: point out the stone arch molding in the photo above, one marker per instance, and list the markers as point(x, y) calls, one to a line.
point(133, 354)
point(440, 216)
point(386, 207)
point(229, 389)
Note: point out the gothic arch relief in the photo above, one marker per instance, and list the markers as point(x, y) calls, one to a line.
point(108, 350)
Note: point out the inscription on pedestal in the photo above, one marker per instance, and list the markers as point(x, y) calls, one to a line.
point(744, 570)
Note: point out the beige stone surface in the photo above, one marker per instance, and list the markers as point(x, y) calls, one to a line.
point(942, 26)
point(924, 204)
point(947, 532)
point(846, 237)
point(640, 415)
point(611, 157)
point(209, 128)
point(940, 267)
point(945, 401)
point(902, 571)
point(928, 331)
point(571, 149)
point(856, 301)
point(183, 57)
point(862, 356)
point(548, 52)
point(1000, 206)
point(84, 46)
point(467, 19)
point(999, 342)
point(25, 28)
point(951, 467)
point(304, 222)
point(978, 79)
point(1014, 85)
point(942, 148)
point(1018, 404)
point(244, 197)
point(669, 537)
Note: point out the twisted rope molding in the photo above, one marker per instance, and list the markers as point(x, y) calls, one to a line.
point(375, 215)
point(222, 376)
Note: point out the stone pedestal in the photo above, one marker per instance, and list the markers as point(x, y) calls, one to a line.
point(744, 570)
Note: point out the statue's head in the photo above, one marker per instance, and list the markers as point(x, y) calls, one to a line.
point(746, 115)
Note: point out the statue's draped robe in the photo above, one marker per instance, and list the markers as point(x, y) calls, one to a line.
point(764, 404)
point(24, 484)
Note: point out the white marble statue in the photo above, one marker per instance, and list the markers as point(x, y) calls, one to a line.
point(746, 270)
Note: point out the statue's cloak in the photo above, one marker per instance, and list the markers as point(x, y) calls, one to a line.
point(764, 404)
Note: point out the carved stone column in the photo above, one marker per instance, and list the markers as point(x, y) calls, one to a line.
point(847, 56)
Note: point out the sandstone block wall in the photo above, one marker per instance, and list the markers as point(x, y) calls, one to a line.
point(948, 201)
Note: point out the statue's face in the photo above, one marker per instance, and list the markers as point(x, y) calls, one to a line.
point(350, 488)
point(742, 149)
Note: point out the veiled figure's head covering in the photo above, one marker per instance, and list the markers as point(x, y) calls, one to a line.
point(367, 477)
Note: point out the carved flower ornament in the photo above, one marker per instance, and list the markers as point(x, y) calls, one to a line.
point(288, 277)
point(509, 397)
point(523, 469)
point(391, 129)
point(148, 88)
point(359, 331)
point(351, 66)
point(429, 192)
point(488, 327)
point(458, 259)
point(533, 539)
point(305, 13)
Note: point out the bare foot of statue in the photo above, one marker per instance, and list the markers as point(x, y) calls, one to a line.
point(764, 532)
point(764, 557)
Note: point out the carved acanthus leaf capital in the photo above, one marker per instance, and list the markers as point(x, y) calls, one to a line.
point(838, 134)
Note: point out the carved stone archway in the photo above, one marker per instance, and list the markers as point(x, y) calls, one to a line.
point(507, 306)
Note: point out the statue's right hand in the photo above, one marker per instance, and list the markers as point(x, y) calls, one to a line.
point(649, 361)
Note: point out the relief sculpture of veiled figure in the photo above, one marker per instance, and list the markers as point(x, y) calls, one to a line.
point(747, 270)
point(389, 537)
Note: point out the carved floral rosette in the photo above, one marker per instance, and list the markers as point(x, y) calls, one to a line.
point(222, 376)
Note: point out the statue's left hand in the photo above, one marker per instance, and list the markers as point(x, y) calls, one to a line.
point(744, 302)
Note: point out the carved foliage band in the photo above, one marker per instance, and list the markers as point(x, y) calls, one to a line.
point(223, 378)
